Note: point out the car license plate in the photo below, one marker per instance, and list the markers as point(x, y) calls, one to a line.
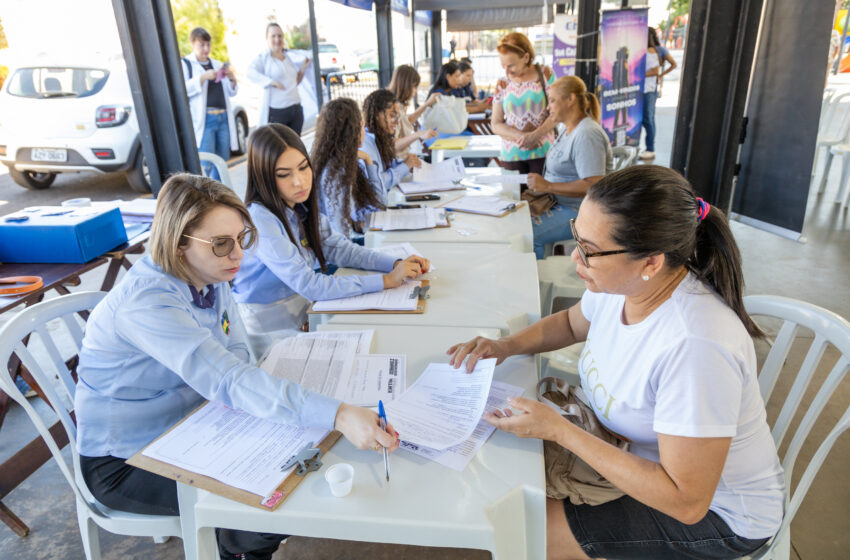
point(49, 154)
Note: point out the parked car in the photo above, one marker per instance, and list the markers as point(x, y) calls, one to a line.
point(60, 116)
point(330, 59)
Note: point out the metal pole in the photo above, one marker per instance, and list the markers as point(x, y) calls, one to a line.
point(314, 42)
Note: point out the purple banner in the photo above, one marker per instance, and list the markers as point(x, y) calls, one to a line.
point(622, 59)
point(564, 45)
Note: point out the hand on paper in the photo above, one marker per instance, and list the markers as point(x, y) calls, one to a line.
point(411, 267)
point(412, 160)
point(362, 428)
point(535, 420)
point(536, 182)
point(479, 348)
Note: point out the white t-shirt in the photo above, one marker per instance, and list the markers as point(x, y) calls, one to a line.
point(650, 83)
point(285, 72)
point(689, 369)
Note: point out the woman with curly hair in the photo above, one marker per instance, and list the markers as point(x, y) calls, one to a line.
point(283, 272)
point(381, 111)
point(345, 172)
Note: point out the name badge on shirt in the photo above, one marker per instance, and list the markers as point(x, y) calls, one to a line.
point(305, 243)
point(225, 323)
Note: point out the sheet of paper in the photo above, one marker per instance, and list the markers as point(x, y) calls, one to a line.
point(408, 218)
point(454, 143)
point(363, 338)
point(445, 171)
point(489, 205)
point(506, 179)
point(399, 250)
point(458, 456)
point(419, 188)
point(376, 377)
point(403, 298)
point(234, 447)
point(443, 407)
point(320, 364)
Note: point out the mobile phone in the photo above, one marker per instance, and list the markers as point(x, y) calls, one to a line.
point(404, 206)
point(421, 197)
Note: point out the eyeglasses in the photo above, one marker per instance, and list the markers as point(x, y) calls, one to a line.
point(584, 253)
point(223, 246)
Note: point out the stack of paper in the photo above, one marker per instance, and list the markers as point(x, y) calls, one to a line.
point(489, 205)
point(504, 179)
point(402, 298)
point(449, 170)
point(399, 251)
point(330, 363)
point(408, 218)
point(419, 188)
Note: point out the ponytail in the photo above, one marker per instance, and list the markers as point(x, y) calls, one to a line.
point(593, 108)
point(656, 211)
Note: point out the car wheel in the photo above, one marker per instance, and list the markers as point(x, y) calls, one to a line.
point(139, 176)
point(32, 179)
point(241, 133)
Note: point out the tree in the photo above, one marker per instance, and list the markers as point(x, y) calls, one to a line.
point(4, 43)
point(298, 36)
point(189, 14)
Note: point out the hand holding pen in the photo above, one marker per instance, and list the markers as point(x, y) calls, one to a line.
point(382, 416)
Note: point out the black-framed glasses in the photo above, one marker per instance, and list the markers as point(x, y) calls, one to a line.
point(584, 253)
point(223, 246)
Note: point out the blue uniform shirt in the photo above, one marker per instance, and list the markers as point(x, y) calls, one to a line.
point(274, 268)
point(387, 177)
point(150, 356)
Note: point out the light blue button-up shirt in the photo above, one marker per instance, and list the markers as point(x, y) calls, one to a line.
point(388, 177)
point(150, 356)
point(330, 201)
point(275, 268)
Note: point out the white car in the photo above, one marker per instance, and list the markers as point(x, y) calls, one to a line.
point(61, 116)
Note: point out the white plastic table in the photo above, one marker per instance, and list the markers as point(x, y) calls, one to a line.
point(471, 286)
point(479, 145)
point(498, 503)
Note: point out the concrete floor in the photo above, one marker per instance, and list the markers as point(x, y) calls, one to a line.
point(816, 271)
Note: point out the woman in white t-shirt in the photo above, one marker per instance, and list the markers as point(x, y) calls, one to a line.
point(650, 95)
point(275, 71)
point(669, 364)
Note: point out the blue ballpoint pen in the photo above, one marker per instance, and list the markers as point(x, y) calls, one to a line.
point(382, 416)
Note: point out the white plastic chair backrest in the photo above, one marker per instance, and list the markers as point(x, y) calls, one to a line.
point(46, 366)
point(624, 156)
point(836, 118)
point(828, 328)
point(221, 167)
point(828, 94)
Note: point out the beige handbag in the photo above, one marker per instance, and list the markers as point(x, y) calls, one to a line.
point(567, 475)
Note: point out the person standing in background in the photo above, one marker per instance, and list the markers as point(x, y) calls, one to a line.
point(668, 63)
point(209, 86)
point(650, 95)
point(274, 70)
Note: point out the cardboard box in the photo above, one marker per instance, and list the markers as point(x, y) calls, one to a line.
point(57, 234)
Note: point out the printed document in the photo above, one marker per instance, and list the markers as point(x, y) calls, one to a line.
point(489, 205)
point(429, 187)
point(376, 377)
point(458, 457)
point(363, 338)
point(399, 250)
point(443, 407)
point(322, 365)
point(408, 218)
point(234, 447)
point(402, 298)
point(445, 171)
point(506, 179)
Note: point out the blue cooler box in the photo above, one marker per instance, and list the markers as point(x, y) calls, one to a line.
point(58, 234)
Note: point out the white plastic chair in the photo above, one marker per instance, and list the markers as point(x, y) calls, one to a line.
point(835, 130)
point(557, 277)
point(624, 156)
point(45, 367)
point(220, 165)
point(842, 197)
point(828, 328)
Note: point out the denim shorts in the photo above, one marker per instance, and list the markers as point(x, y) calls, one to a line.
point(626, 528)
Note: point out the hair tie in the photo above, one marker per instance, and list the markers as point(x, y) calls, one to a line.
point(703, 209)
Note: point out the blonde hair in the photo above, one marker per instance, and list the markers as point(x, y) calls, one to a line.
point(182, 204)
point(516, 43)
point(587, 102)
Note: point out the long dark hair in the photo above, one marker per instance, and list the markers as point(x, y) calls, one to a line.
point(442, 80)
point(377, 102)
point(335, 154)
point(654, 210)
point(265, 146)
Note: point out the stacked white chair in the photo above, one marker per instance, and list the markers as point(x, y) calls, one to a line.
point(624, 156)
point(834, 130)
point(828, 329)
point(46, 367)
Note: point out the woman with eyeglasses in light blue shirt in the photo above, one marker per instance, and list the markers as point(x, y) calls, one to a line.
point(284, 272)
point(168, 337)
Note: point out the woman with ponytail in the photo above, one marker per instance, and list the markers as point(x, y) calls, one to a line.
point(580, 156)
point(669, 365)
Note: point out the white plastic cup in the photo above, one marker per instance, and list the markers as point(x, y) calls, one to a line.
point(340, 478)
point(75, 202)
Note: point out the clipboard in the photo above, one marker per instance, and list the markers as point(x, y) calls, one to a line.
point(511, 208)
point(268, 503)
point(420, 306)
point(451, 143)
point(446, 225)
